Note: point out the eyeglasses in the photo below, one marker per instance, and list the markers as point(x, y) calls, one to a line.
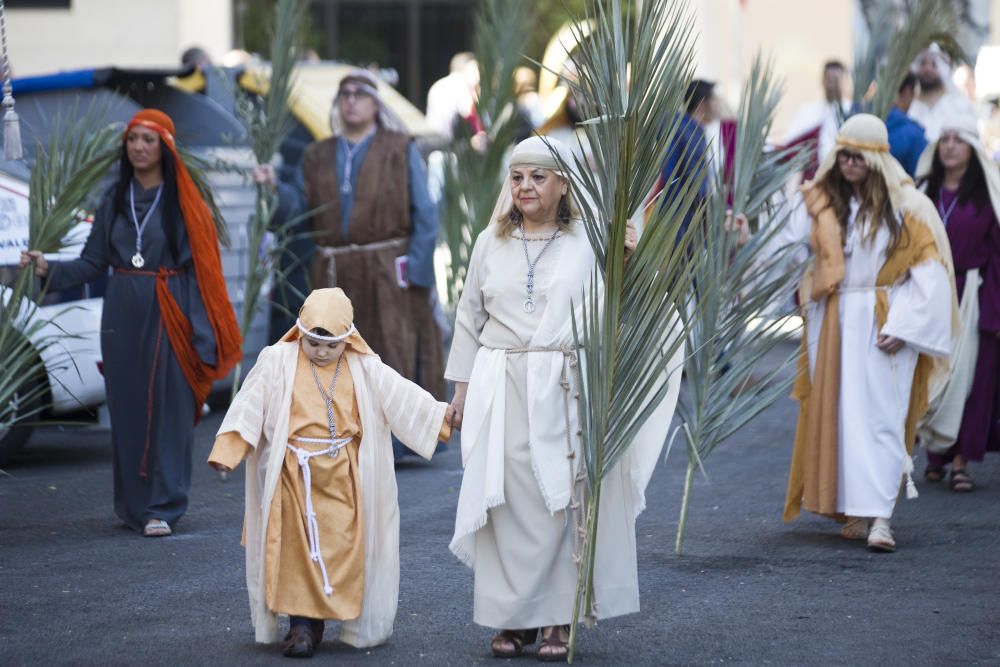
point(849, 157)
point(352, 94)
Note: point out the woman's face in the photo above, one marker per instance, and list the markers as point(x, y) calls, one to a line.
point(953, 152)
point(852, 166)
point(536, 192)
point(320, 352)
point(143, 148)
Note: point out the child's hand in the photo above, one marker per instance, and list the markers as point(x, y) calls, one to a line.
point(219, 466)
point(456, 410)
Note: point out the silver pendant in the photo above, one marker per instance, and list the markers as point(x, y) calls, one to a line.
point(529, 306)
point(137, 260)
point(335, 453)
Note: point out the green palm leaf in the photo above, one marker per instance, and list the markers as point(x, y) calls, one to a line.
point(268, 123)
point(736, 287)
point(471, 177)
point(62, 187)
point(633, 71)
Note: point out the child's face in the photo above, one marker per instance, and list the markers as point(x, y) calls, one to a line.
point(321, 353)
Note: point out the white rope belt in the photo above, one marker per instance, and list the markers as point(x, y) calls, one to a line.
point(312, 525)
point(330, 253)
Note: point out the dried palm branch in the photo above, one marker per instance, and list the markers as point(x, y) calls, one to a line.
point(736, 288)
point(268, 123)
point(896, 36)
point(472, 177)
point(634, 66)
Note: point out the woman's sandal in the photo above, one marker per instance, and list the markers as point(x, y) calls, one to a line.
point(510, 643)
point(553, 647)
point(156, 528)
point(933, 473)
point(856, 528)
point(961, 481)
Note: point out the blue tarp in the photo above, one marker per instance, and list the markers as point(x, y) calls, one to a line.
point(83, 78)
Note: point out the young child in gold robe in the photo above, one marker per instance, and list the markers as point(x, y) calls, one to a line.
point(321, 528)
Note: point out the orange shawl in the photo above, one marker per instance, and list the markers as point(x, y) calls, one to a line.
point(204, 241)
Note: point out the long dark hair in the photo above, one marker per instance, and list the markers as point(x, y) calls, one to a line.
point(972, 187)
point(874, 202)
point(169, 201)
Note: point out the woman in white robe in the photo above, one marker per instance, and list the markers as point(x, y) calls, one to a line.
point(513, 361)
point(878, 306)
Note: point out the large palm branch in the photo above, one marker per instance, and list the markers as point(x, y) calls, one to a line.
point(268, 123)
point(634, 68)
point(472, 177)
point(736, 289)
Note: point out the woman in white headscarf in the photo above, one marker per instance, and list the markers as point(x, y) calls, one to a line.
point(513, 361)
point(964, 183)
point(879, 311)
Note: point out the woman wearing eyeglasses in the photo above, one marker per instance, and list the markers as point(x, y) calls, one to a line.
point(879, 306)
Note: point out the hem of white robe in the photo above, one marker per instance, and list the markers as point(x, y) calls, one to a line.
point(522, 618)
point(464, 540)
point(868, 513)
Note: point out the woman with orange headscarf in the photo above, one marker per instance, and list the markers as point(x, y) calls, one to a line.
point(168, 329)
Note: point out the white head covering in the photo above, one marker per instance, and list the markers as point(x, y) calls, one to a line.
point(331, 310)
point(866, 134)
point(944, 67)
point(368, 83)
point(538, 152)
point(965, 126)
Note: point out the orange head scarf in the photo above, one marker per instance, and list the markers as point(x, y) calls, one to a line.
point(204, 240)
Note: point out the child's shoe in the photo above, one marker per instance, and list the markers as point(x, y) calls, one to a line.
point(302, 639)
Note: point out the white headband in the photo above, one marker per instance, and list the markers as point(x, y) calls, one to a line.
point(363, 87)
point(325, 339)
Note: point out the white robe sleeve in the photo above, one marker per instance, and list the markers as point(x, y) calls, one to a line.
point(413, 415)
point(470, 318)
point(920, 310)
point(248, 411)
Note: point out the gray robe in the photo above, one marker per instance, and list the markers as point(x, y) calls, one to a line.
point(151, 404)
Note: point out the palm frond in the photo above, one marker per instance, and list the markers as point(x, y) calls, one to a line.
point(736, 286)
point(634, 66)
point(80, 153)
point(268, 124)
point(472, 177)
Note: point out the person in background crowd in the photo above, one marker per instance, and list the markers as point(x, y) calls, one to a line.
point(938, 99)
point(453, 99)
point(964, 183)
point(689, 149)
point(906, 136)
point(820, 121)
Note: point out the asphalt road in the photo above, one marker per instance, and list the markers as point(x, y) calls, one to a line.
point(77, 587)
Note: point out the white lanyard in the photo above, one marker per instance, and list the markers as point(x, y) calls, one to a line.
point(137, 259)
